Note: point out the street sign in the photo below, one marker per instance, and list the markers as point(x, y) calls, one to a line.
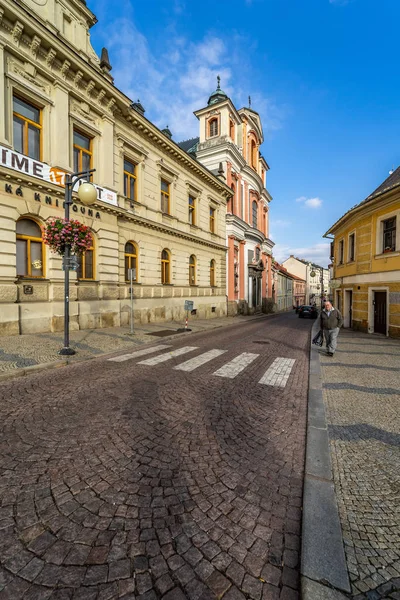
point(72, 263)
point(189, 304)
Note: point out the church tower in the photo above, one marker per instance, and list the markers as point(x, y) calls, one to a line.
point(229, 146)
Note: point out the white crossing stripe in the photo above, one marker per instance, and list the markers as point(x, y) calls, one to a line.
point(155, 360)
point(202, 359)
point(278, 373)
point(235, 366)
point(142, 352)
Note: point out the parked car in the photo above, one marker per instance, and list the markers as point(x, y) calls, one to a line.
point(308, 311)
point(298, 308)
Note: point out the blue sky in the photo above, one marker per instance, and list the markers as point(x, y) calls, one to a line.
point(321, 73)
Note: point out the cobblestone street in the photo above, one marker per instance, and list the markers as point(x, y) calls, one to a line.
point(361, 392)
point(173, 472)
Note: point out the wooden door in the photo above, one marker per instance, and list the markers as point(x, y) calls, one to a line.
point(380, 312)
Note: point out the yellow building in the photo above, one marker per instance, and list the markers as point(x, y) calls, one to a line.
point(366, 261)
point(159, 212)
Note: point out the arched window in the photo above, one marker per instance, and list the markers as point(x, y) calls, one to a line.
point(86, 267)
point(255, 211)
point(30, 249)
point(165, 267)
point(131, 255)
point(213, 127)
point(253, 154)
point(192, 270)
point(212, 273)
point(232, 130)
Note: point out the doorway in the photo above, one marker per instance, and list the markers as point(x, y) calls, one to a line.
point(348, 308)
point(380, 311)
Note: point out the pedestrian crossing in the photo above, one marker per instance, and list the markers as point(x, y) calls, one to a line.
point(276, 375)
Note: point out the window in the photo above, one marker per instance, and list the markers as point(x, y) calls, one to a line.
point(389, 235)
point(341, 252)
point(232, 130)
point(253, 154)
point(165, 267)
point(29, 249)
point(192, 270)
point(255, 214)
point(192, 210)
point(213, 127)
point(212, 219)
point(351, 247)
point(27, 128)
point(131, 261)
point(82, 152)
point(229, 205)
point(257, 254)
point(86, 267)
point(129, 180)
point(165, 196)
point(212, 273)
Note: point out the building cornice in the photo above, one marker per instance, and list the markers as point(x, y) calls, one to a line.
point(46, 187)
point(353, 215)
point(68, 66)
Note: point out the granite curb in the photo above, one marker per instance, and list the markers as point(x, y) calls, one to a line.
point(30, 370)
point(323, 569)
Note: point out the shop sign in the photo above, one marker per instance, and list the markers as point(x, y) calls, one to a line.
point(29, 166)
point(19, 191)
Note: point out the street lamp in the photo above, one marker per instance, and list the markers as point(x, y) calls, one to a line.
point(321, 279)
point(87, 194)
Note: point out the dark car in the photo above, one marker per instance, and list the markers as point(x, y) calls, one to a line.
point(308, 311)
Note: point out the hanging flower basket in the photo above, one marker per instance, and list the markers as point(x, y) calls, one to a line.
point(59, 233)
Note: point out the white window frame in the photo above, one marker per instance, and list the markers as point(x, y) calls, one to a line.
point(379, 250)
point(349, 260)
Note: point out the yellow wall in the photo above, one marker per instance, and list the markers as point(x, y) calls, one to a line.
point(371, 268)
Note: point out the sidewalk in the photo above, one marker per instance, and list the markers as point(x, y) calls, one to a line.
point(25, 353)
point(361, 391)
point(361, 397)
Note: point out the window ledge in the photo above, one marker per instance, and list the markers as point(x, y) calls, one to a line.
point(23, 278)
point(168, 215)
point(92, 281)
point(133, 282)
point(386, 254)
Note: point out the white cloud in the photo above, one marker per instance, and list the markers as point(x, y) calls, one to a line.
point(280, 223)
point(318, 253)
point(310, 202)
point(173, 84)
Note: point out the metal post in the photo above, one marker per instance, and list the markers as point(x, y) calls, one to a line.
point(70, 181)
point(322, 284)
point(131, 280)
point(67, 351)
point(186, 321)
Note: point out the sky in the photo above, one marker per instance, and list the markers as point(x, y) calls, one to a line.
point(323, 74)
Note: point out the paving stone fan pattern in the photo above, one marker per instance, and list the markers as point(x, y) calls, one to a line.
point(149, 489)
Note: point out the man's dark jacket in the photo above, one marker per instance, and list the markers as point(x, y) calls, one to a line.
point(332, 321)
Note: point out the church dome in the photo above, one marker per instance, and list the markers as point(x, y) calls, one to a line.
point(217, 96)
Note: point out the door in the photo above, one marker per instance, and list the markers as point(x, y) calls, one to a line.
point(347, 317)
point(380, 312)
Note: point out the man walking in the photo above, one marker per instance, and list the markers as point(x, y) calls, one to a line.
point(331, 322)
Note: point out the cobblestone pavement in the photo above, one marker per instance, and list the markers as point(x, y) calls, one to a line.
point(19, 351)
point(128, 480)
point(362, 395)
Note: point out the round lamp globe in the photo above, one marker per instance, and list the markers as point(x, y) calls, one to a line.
point(87, 193)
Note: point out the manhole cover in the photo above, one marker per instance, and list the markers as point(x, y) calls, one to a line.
point(261, 342)
point(163, 333)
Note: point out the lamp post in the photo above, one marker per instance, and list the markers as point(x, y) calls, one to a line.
point(321, 279)
point(87, 194)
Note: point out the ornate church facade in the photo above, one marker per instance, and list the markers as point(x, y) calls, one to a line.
point(229, 146)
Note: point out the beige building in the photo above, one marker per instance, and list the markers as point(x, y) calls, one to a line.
point(158, 212)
